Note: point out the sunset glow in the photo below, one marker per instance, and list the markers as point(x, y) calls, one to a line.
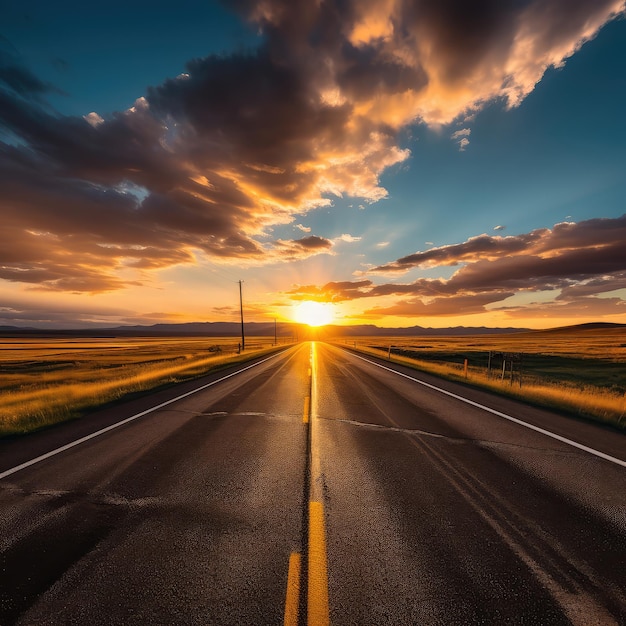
point(314, 313)
point(423, 163)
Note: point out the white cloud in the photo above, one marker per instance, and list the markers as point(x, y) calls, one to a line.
point(464, 132)
point(347, 238)
point(93, 119)
point(461, 137)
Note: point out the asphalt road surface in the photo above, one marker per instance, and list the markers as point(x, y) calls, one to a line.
point(316, 486)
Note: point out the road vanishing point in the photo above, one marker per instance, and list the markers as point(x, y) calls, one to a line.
point(315, 486)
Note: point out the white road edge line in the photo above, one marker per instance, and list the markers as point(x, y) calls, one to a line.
point(78, 442)
point(575, 444)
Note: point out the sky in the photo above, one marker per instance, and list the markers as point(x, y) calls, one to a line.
point(405, 162)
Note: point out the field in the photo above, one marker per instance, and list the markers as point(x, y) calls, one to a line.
point(44, 381)
point(580, 370)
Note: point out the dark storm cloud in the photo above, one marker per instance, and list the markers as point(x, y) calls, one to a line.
point(208, 162)
point(461, 33)
point(366, 71)
point(15, 77)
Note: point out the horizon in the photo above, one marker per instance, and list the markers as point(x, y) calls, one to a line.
point(401, 164)
point(311, 327)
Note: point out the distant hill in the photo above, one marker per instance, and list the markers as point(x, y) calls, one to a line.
point(260, 329)
point(576, 329)
point(298, 331)
point(15, 328)
point(371, 330)
point(211, 329)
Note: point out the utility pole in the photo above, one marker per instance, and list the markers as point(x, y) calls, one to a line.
point(243, 337)
point(275, 341)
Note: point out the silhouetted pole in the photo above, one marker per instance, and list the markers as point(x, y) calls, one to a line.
point(243, 337)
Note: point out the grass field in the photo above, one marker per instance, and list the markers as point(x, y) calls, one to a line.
point(580, 370)
point(45, 381)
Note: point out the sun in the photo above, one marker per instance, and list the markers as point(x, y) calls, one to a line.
point(314, 313)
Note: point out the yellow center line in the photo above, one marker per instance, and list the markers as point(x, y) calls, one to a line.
point(306, 410)
point(317, 605)
point(292, 600)
point(317, 585)
point(318, 613)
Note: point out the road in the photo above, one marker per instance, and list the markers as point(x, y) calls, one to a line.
point(314, 487)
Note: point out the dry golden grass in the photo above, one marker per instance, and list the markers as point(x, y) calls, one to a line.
point(45, 382)
point(585, 344)
point(580, 371)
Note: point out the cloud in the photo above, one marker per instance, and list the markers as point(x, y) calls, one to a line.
point(499, 227)
point(17, 78)
point(294, 249)
point(332, 291)
point(465, 132)
point(587, 247)
point(463, 144)
point(22, 312)
point(400, 60)
point(450, 306)
point(238, 144)
point(475, 248)
point(578, 262)
point(461, 137)
point(93, 119)
point(304, 229)
point(346, 238)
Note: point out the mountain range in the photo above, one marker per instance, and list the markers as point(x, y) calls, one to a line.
point(288, 329)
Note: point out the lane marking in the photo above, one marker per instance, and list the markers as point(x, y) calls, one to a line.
point(82, 440)
point(317, 607)
point(306, 409)
point(569, 442)
point(317, 586)
point(292, 601)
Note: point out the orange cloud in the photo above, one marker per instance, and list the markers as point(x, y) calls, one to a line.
point(208, 162)
point(577, 262)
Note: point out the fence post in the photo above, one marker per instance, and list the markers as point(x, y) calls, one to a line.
point(465, 368)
